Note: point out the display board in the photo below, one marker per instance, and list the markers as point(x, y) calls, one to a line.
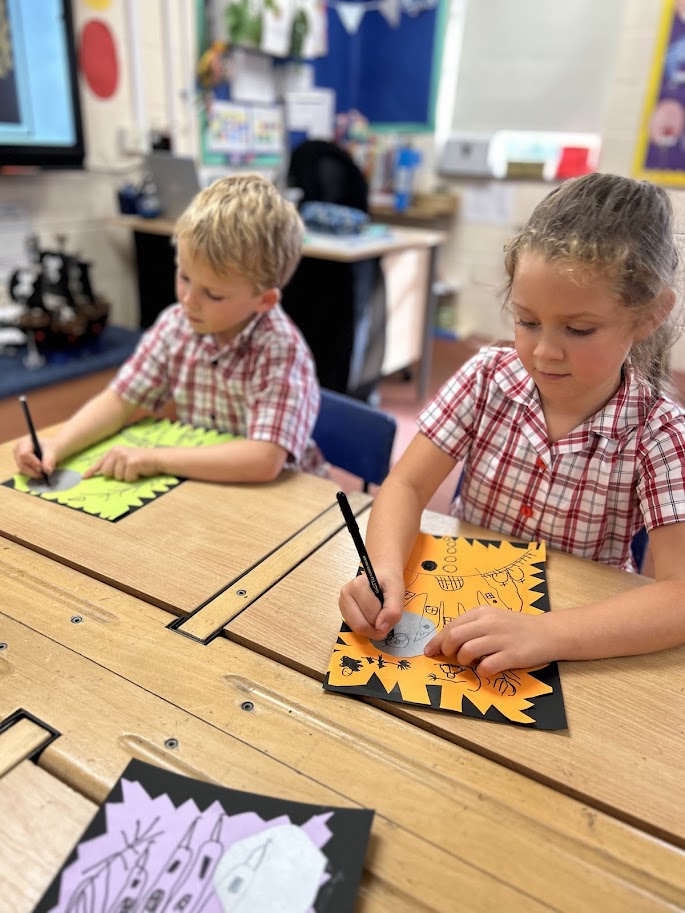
point(384, 60)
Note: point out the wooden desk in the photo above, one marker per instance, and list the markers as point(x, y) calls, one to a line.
point(408, 257)
point(41, 818)
point(623, 750)
point(430, 210)
point(184, 547)
point(449, 824)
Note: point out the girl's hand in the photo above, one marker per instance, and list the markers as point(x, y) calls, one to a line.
point(362, 609)
point(126, 464)
point(27, 461)
point(494, 640)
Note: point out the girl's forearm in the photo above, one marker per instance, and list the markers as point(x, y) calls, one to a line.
point(643, 620)
point(393, 525)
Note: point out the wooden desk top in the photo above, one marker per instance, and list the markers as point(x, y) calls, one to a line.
point(423, 207)
point(623, 750)
point(41, 818)
point(449, 823)
point(182, 548)
point(319, 246)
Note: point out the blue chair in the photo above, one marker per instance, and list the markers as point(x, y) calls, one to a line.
point(638, 544)
point(355, 436)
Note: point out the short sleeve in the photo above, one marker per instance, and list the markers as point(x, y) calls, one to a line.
point(283, 397)
point(449, 419)
point(143, 379)
point(661, 483)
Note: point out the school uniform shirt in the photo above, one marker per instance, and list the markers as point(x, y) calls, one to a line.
point(588, 493)
point(261, 385)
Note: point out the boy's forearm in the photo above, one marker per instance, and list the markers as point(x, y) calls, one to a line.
point(97, 419)
point(234, 461)
point(643, 620)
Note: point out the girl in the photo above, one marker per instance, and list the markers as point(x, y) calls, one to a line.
point(570, 437)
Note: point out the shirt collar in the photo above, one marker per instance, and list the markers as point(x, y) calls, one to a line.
point(624, 411)
point(239, 343)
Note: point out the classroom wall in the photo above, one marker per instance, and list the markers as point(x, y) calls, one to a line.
point(79, 204)
point(473, 254)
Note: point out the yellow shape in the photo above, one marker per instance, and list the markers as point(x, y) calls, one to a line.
point(109, 498)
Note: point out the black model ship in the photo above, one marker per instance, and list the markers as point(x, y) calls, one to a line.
point(52, 306)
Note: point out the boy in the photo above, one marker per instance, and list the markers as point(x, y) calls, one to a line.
point(226, 354)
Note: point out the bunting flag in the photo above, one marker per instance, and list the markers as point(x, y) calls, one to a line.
point(351, 13)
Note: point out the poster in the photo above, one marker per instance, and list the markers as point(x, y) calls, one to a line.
point(660, 151)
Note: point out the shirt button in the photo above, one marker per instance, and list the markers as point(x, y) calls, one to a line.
point(540, 463)
point(526, 510)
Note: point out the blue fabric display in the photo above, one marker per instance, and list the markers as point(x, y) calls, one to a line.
point(333, 218)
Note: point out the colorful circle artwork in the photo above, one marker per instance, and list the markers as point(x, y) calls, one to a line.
point(98, 59)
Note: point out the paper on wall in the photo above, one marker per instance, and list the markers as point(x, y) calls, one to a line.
point(311, 112)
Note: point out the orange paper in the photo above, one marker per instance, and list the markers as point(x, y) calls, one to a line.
point(444, 578)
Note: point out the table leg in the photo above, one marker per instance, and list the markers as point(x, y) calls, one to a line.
point(427, 346)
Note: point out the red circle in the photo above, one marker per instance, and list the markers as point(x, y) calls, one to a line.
point(98, 58)
point(526, 510)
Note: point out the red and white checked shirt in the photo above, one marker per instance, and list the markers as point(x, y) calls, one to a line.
point(589, 493)
point(262, 385)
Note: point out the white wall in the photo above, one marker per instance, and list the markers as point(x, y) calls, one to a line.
point(80, 204)
point(472, 256)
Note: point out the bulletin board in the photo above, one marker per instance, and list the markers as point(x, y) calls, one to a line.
point(241, 116)
point(380, 57)
point(384, 60)
point(660, 151)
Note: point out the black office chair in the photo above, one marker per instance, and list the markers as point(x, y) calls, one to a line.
point(355, 436)
point(338, 307)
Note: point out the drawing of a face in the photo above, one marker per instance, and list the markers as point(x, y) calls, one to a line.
point(667, 123)
point(463, 675)
point(506, 583)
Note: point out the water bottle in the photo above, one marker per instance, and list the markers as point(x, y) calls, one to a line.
point(406, 161)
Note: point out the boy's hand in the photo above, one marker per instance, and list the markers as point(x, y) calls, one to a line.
point(502, 640)
point(126, 464)
point(27, 461)
point(362, 610)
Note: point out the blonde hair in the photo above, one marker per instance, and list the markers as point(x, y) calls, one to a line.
point(242, 223)
point(621, 231)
